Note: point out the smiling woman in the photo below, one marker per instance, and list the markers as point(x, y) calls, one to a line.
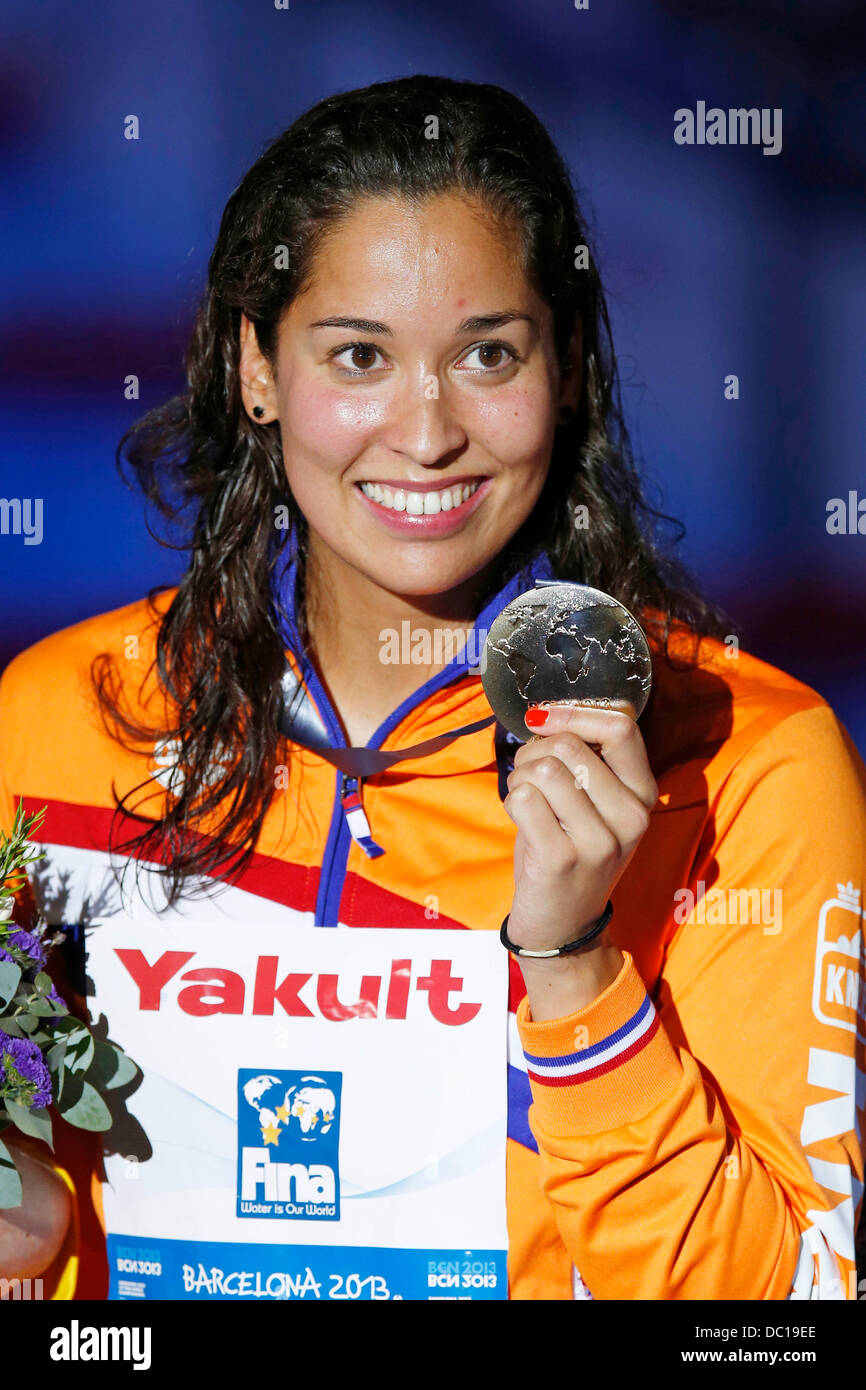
point(424, 460)
point(401, 414)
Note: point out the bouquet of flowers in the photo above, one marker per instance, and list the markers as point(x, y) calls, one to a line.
point(48, 1059)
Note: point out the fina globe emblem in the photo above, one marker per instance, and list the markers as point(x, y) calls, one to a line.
point(288, 1144)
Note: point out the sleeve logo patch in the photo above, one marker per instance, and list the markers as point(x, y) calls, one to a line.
point(839, 991)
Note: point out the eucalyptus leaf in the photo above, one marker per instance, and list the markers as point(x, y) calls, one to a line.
point(42, 982)
point(27, 1023)
point(36, 1123)
point(103, 1066)
point(89, 1111)
point(126, 1071)
point(79, 1052)
point(68, 1026)
point(55, 1055)
point(10, 1182)
point(41, 1008)
point(111, 1067)
point(10, 977)
point(10, 1026)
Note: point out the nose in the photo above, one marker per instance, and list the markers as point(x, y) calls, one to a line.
point(422, 426)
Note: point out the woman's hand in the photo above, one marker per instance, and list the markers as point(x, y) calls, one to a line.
point(580, 816)
point(31, 1235)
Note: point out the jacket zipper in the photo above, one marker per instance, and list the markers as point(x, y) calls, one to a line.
point(348, 823)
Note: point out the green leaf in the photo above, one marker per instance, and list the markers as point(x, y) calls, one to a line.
point(70, 1026)
point(79, 1054)
point(55, 1055)
point(41, 1008)
point(10, 976)
point(103, 1066)
point(10, 1026)
point(27, 1023)
point(89, 1111)
point(111, 1067)
point(36, 1123)
point(42, 982)
point(10, 1182)
point(126, 1071)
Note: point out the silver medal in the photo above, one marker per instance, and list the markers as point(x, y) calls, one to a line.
point(564, 642)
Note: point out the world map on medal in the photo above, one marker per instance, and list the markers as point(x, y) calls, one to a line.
point(564, 642)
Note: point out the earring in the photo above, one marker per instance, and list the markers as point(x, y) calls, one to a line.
point(258, 411)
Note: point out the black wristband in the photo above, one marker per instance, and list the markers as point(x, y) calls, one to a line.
point(595, 929)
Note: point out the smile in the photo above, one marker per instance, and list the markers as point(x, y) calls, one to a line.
point(419, 503)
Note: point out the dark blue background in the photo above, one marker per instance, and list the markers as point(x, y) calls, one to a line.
point(717, 260)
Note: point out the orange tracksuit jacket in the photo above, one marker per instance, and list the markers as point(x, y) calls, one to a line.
point(694, 1132)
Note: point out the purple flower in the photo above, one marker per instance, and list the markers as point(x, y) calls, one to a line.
point(25, 1077)
point(28, 944)
point(54, 998)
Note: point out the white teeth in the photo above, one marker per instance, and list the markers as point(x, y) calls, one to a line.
point(419, 503)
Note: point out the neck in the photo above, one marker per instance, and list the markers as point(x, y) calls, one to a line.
point(349, 620)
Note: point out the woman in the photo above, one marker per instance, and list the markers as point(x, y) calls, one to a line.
point(401, 413)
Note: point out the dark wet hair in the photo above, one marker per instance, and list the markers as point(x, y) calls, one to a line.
point(199, 456)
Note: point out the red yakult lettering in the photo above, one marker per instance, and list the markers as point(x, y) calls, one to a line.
point(212, 990)
point(221, 993)
point(366, 1007)
point(151, 978)
point(440, 982)
point(268, 992)
point(398, 989)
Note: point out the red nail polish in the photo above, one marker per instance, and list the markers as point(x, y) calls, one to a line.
point(536, 717)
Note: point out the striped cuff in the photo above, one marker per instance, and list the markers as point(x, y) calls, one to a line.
point(606, 1065)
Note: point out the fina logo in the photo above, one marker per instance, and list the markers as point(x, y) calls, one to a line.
point(288, 1144)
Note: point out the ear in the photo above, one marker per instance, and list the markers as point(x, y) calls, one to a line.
point(256, 378)
point(571, 380)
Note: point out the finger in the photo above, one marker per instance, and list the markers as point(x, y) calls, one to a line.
point(617, 804)
point(618, 739)
point(593, 841)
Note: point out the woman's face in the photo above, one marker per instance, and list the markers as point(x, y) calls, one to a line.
point(417, 391)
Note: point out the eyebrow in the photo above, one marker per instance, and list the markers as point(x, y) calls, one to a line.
point(479, 324)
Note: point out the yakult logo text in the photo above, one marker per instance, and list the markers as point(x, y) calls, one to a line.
point(209, 990)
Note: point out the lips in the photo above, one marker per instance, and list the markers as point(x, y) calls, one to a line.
point(426, 502)
point(423, 511)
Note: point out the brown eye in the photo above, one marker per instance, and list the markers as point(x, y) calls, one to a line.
point(490, 357)
point(491, 354)
point(359, 358)
point(365, 352)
